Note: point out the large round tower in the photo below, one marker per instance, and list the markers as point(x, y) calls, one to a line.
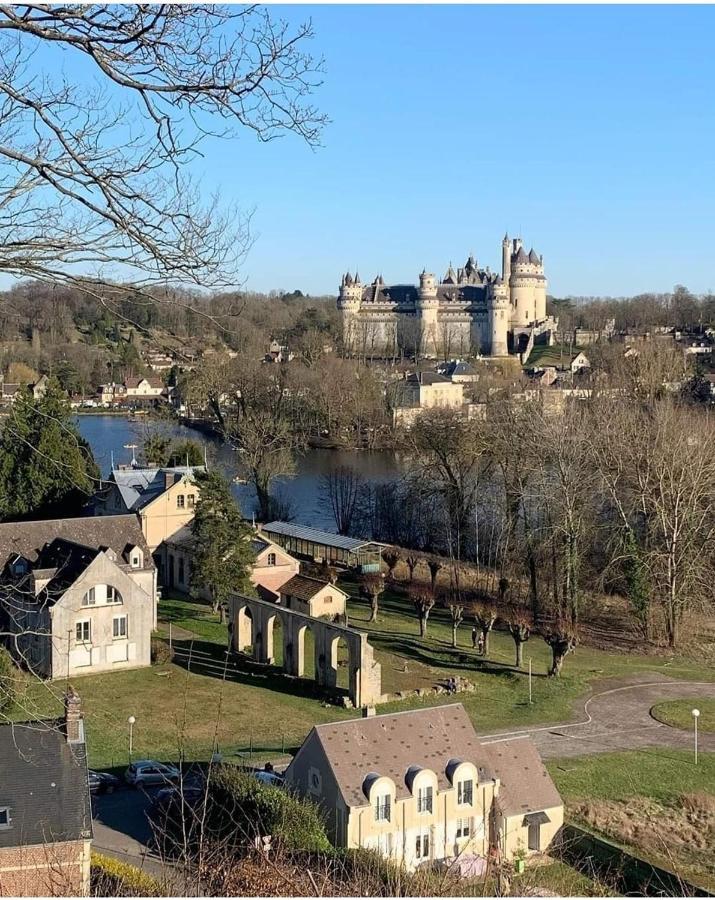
point(522, 286)
point(349, 301)
point(427, 304)
point(498, 305)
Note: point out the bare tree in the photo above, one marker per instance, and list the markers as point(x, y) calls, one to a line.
point(435, 566)
point(372, 586)
point(423, 600)
point(341, 489)
point(392, 556)
point(456, 614)
point(93, 178)
point(561, 636)
point(485, 615)
point(412, 560)
point(519, 621)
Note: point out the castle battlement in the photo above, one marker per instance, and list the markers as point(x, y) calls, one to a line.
point(470, 309)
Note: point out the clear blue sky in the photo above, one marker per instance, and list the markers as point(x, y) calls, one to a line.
point(588, 129)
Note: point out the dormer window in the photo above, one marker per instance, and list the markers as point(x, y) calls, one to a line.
point(19, 567)
point(136, 558)
point(424, 799)
point(382, 808)
point(5, 819)
point(465, 792)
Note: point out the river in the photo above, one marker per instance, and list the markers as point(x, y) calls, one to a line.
point(109, 436)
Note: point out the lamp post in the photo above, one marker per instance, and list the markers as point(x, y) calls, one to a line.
point(131, 721)
point(696, 716)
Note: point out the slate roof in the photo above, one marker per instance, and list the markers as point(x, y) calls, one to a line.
point(406, 295)
point(43, 780)
point(152, 380)
point(458, 368)
point(526, 786)
point(304, 587)
point(426, 378)
point(391, 744)
point(29, 539)
point(138, 487)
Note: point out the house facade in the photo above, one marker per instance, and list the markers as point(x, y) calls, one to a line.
point(148, 388)
point(77, 596)
point(419, 787)
point(313, 597)
point(164, 499)
point(45, 808)
point(272, 567)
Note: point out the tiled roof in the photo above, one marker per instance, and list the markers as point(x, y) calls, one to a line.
point(43, 780)
point(391, 744)
point(304, 587)
point(28, 539)
point(526, 786)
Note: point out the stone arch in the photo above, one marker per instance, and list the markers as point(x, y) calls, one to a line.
point(244, 630)
point(306, 652)
point(341, 663)
point(276, 638)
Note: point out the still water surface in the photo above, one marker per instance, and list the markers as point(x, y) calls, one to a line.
point(109, 435)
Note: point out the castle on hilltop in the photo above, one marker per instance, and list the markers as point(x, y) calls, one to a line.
point(470, 310)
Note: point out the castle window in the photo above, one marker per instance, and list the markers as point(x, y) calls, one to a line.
point(465, 794)
point(382, 808)
point(424, 799)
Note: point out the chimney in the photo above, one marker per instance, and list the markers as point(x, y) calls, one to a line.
point(168, 480)
point(74, 726)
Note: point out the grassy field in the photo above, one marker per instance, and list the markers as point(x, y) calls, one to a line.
point(177, 706)
point(657, 803)
point(679, 714)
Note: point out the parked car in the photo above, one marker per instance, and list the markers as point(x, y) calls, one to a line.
point(271, 778)
point(148, 772)
point(102, 782)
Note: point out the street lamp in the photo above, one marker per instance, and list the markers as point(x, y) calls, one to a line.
point(131, 721)
point(696, 716)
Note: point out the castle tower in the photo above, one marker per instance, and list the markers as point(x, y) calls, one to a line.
point(522, 287)
point(498, 305)
point(540, 285)
point(505, 259)
point(349, 302)
point(427, 305)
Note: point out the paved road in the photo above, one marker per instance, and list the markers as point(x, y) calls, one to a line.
point(618, 718)
point(122, 829)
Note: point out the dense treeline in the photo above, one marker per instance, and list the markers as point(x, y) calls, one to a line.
point(679, 309)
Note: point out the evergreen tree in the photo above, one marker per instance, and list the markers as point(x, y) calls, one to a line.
point(223, 555)
point(156, 449)
point(46, 467)
point(185, 453)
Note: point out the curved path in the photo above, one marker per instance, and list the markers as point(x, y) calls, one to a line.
point(619, 718)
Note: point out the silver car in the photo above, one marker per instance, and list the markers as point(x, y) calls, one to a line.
point(148, 772)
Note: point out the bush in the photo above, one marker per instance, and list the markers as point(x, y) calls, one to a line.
point(112, 878)
point(161, 652)
point(240, 807)
point(8, 681)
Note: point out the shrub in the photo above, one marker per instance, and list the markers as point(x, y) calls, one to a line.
point(241, 808)
point(8, 681)
point(161, 652)
point(112, 878)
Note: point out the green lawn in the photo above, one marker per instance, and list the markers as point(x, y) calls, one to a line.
point(679, 713)
point(657, 803)
point(501, 697)
point(177, 708)
point(661, 775)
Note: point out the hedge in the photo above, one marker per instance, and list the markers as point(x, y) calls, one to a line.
point(113, 878)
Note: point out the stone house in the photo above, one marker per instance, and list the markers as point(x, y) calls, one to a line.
point(313, 597)
point(423, 391)
point(150, 387)
point(273, 565)
point(45, 808)
point(164, 499)
point(420, 787)
point(77, 596)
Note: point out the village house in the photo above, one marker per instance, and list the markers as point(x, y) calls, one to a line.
point(164, 499)
point(45, 808)
point(420, 787)
point(77, 596)
point(422, 391)
point(459, 371)
point(313, 597)
point(144, 388)
point(272, 567)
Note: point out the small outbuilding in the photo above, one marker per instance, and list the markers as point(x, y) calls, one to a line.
point(325, 546)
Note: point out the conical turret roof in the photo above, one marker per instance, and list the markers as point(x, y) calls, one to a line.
point(534, 257)
point(521, 256)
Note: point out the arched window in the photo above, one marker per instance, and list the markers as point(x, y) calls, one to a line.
point(101, 594)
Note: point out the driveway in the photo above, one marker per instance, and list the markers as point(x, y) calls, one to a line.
point(618, 718)
point(122, 829)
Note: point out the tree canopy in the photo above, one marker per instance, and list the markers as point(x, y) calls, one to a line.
point(46, 467)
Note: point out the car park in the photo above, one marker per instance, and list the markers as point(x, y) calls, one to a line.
point(102, 782)
point(148, 773)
